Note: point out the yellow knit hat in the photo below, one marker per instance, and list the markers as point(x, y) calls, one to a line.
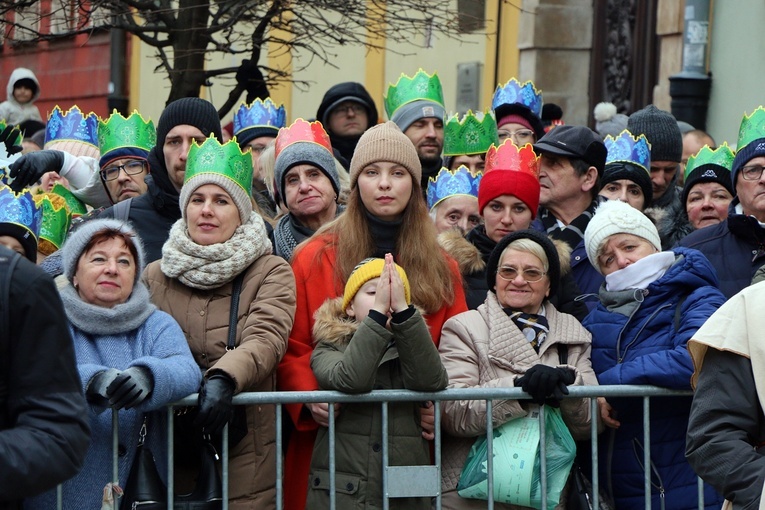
point(366, 270)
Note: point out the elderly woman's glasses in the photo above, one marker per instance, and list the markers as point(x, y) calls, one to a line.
point(522, 135)
point(111, 172)
point(510, 273)
point(753, 172)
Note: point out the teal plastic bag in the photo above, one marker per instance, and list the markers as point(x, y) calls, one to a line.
point(516, 462)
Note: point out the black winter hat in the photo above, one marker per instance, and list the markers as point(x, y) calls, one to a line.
point(661, 130)
point(192, 111)
point(623, 170)
point(346, 91)
point(707, 173)
point(553, 272)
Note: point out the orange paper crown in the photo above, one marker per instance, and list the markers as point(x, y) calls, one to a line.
point(302, 131)
point(509, 157)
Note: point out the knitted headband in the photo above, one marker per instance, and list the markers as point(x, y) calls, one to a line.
point(385, 142)
point(366, 270)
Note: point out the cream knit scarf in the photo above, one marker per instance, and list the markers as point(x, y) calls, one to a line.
point(212, 266)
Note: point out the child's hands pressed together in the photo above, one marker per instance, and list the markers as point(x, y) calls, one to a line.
point(382, 296)
point(397, 295)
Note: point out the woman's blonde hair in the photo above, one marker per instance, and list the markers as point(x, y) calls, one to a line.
point(430, 277)
point(528, 246)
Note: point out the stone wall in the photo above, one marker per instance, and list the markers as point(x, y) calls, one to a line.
point(669, 30)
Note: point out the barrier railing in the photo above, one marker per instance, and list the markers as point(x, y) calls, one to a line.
point(400, 481)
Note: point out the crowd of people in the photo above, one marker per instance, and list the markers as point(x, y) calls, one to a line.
point(428, 251)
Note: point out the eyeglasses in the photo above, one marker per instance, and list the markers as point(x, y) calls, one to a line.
point(518, 136)
point(110, 173)
point(257, 149)
point(752, 173)
point(355, 108)
point(510, 273)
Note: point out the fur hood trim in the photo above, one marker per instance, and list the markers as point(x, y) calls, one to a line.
point(463, 251)
point(564, 254)
point(332, 325)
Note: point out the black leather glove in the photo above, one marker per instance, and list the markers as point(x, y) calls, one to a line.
point(9, 137)
point(131, 387)
point(28, 169)
point(542, 381)
point(215, 403)
point(95, 392)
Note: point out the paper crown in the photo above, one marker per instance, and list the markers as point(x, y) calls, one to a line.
point(752, 128)
point(227, 160)
point(516, 92)
point(75, 205)
point(72, 126)
point(260, 114)
point(120, 133)
point(421, 87)
point(448, 183)
point(56, 218)
point(20, 209)
point(628, 149)
point(4, 124)
point(509, 156)
point(474, 134)
point(302, 131)
point(722, 156)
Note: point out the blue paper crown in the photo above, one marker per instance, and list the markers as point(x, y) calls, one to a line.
point(628, 149)
point(515, 92)
point(20, 209)
point(72, 126)
point(260, 114)
point(452, 182)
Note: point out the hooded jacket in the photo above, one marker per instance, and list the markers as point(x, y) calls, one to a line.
point(472, 255)
point(356, 357)
point(347, 91)
point(639, 337)
point(11, 110)
point(673, 225)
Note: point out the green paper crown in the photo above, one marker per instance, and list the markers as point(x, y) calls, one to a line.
point(119, 133)
point(421, 87)
point(227, 160)
point(474, 134)
point(722, 156)
point(55, 222)
point(752, 128)
point(74, 204)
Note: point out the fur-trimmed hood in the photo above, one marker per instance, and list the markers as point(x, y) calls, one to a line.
point(470, 258)
point(673, 225)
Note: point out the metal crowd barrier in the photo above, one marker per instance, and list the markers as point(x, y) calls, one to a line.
point(418, 481)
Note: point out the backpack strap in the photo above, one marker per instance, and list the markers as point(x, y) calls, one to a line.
point(234, 311)
point(122, 210)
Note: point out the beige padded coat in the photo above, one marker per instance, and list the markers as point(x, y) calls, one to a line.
point(484, 348)
point(265, 316)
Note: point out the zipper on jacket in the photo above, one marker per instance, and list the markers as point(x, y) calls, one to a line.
point(660, 487)
point(642, 294)
point(640, 331)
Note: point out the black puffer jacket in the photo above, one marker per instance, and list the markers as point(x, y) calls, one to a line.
point(44, 431)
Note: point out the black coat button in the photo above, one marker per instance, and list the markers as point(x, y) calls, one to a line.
point(376, 447)
point(349, 486)
point(121, 450)
point(316, 482)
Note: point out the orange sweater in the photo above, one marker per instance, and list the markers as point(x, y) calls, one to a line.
point(314, 268)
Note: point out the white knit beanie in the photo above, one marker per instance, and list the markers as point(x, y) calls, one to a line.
point(617, 217)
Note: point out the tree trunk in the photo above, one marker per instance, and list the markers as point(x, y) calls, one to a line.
point(189, 45)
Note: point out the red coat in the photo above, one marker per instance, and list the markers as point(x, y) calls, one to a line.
point(315, 282)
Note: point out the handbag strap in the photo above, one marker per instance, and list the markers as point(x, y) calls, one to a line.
point(233, 312)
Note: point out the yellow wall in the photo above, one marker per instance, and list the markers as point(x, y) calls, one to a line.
point(375, 69)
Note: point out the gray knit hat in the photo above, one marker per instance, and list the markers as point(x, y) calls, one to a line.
point(305, 153)
point(385, 142)
point(409, 113)
point(662, 131)
point(81, 236)
point(617, 217)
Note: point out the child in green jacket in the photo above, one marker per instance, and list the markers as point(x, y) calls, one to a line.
point(371, 338)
